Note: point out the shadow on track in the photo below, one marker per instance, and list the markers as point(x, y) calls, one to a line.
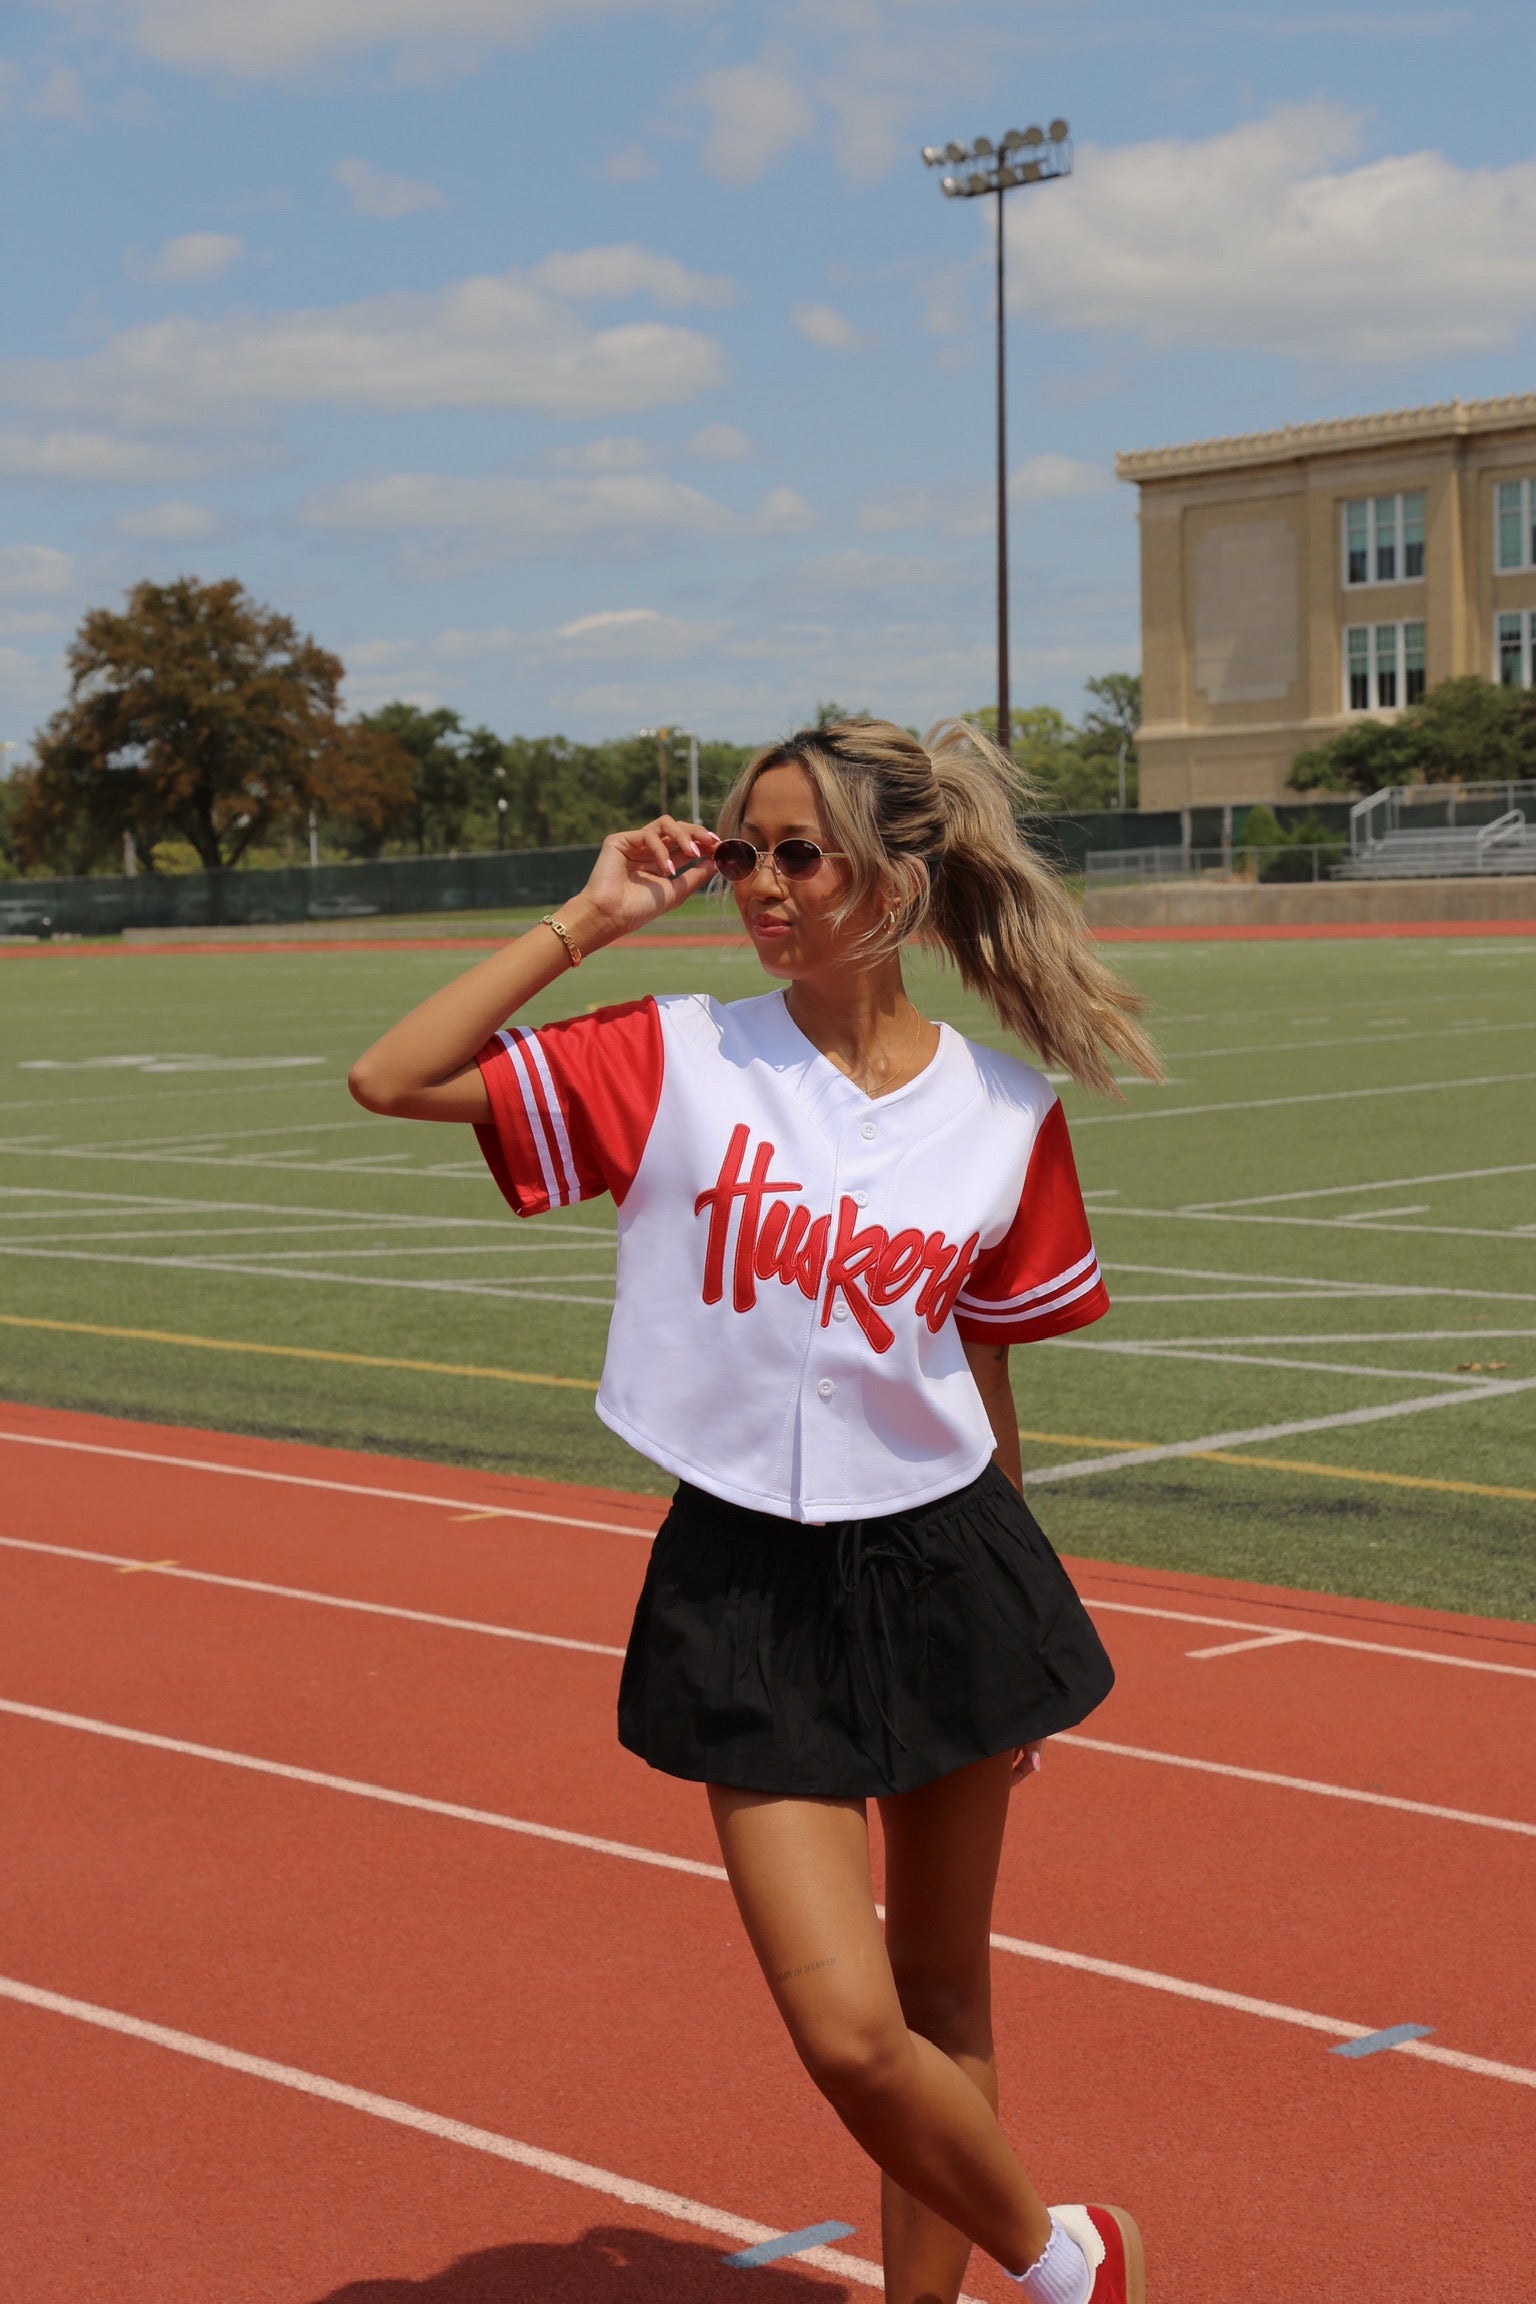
point(607, 2265)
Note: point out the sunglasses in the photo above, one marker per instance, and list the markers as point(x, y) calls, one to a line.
point(736, 860)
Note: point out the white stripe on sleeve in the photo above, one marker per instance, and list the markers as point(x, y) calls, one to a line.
point(556, 1116)
point(1002, 1314)
point(1030, 1295)
point(515, 1044)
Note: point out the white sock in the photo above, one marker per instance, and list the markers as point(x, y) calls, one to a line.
point(1061, 2275)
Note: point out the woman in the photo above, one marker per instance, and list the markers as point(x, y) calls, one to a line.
point(835, 1218)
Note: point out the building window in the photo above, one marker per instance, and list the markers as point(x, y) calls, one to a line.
point(1514, 525)
point(1384, 539)
point(1359, 640)
point(1384, 665)
point(1515, 651)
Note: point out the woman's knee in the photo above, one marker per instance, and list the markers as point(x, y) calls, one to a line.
point(857, 2057)
point(951, 2005)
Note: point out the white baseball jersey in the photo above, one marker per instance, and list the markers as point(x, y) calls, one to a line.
point(798, 1262)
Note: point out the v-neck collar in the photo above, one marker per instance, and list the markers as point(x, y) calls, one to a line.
point(837, 1078)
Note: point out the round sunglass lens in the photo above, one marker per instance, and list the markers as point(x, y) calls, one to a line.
point(795, 858)
point(735, 859)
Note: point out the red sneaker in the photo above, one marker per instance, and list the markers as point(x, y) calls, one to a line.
point(1110, 2241)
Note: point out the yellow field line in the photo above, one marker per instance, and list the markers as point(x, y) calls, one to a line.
point(588, 1384)
point(300, 1352)
point(1348, 1472)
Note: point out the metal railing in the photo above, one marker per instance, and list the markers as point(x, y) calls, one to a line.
point(1433, 831)
point(1236, 866)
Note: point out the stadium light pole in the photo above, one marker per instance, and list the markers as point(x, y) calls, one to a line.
point(1023, 156)
point(663, 738)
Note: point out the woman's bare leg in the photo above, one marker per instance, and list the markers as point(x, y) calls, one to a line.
point(799, 1870)
point(942, 1845)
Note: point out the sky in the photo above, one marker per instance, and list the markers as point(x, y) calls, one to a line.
point(583, 364)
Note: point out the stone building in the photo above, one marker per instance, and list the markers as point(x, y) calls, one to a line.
point(1292, 579)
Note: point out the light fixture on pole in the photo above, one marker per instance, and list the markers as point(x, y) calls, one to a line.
point(1023, 156)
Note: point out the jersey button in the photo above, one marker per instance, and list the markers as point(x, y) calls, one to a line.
point(826, 1388)
point(839, 1312)
point(860, 1200)
point(868, 1131)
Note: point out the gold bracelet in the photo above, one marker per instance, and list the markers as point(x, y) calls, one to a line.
point(572, 949)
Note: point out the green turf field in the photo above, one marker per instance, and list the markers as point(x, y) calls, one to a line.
point(1330, 1207)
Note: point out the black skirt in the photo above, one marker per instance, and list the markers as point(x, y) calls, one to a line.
point(860, 1658)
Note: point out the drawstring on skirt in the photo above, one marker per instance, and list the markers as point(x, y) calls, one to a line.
point(859, 1611)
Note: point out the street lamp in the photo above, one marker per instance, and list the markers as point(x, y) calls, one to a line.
point(1023, 156)
point(663, 738)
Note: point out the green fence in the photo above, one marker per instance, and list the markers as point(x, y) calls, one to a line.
point(105, 907)
point(481, 883)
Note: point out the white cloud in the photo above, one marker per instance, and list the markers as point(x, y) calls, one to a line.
point(60, 97)
point(500, 341)
point(269, 39)
point(1264, 238)
point(756, 112)
point(451, 523)
point(91, 457)
point(618, 633)
point(625, 270)
point(621, 455)
point(722, 444)
point(190, 257)
point(28, 571)
point(969, 511)
point(824, 325)
point(511, 516)
point(174, 521)
point(371, 192)
point(784, 512)
point(631, 164)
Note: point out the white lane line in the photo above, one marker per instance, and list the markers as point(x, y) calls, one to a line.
point(1377, 1184)
point(1307, 1784)
point(1331, 1337)
point(596, 1648)
point(1150, 1979)
point(1243, 1647)
point(634, 2194)
point(330, 1487)
point(645, 1536)
point(182, 1575)
point(1362, 1221)
point(1316, 1639)
point(1085, 1466)
point(1273, 2011)
point(358, 1790)
point(328, 1279)
point(1316, 1096)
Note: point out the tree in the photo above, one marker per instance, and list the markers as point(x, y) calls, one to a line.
point(443, 776)
point(1465, 730)
point(369, 788)
point(1076, 770)
point(194, 714)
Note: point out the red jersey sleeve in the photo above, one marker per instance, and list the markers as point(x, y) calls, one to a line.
point(1043, 1277)
point(571, 1105)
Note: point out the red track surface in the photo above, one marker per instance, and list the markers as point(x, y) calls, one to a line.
point(607, 2009)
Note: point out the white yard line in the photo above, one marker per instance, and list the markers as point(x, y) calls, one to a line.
point(1315, 1096)
point(370, 1218)
point(1085, 1466)
point(1354, 1336)
point(235, 1270)
point(588, 2178)
point(1378, 1184)
point(1361, 1222)
point(477, 1625)
point(1387, 1039)
point(1147, 1978)
point(1315, 1282)
point(1173, 1348)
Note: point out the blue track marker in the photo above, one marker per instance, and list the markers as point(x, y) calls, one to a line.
point(1376, 2040)
point(790, 2244)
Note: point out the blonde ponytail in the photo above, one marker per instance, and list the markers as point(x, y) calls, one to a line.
point(933, 828)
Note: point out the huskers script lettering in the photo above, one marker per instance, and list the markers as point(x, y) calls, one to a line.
point(864, 1264)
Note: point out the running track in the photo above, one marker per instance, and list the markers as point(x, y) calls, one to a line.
point(1181, 1946)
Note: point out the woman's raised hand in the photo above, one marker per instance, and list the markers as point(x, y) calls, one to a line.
point(641, 875)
